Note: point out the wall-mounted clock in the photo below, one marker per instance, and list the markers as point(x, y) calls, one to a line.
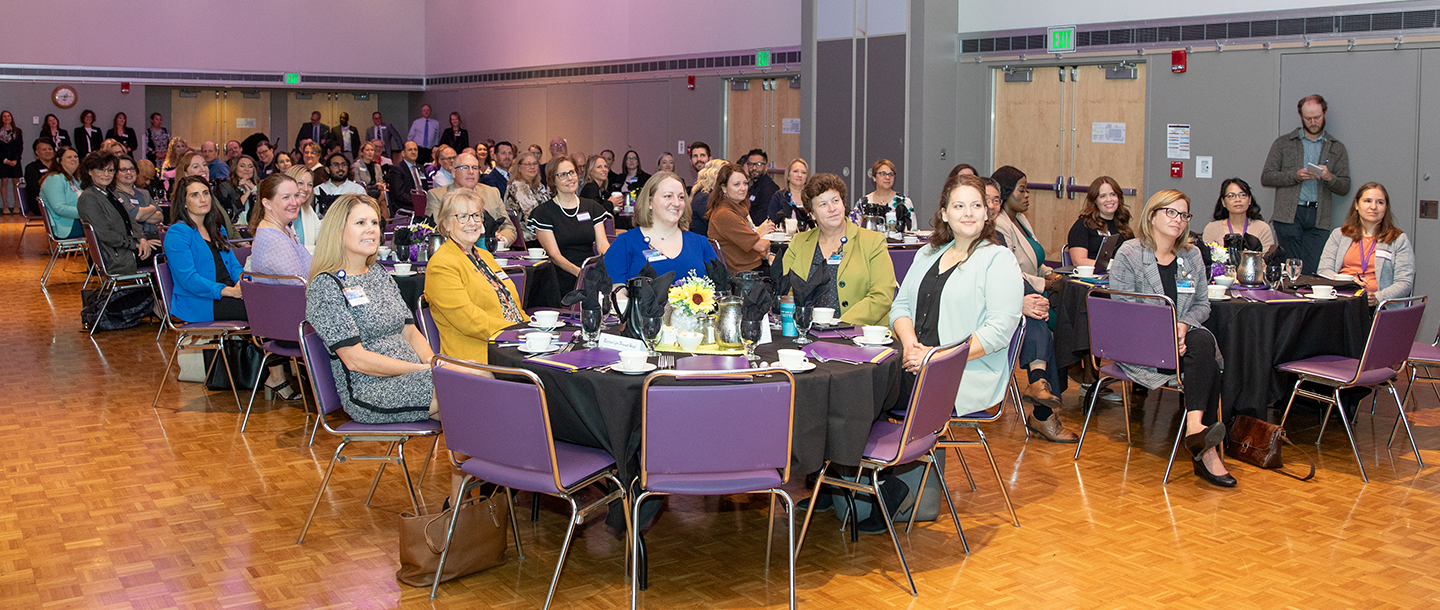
point(64, 96)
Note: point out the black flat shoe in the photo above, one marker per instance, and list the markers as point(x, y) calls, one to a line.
point(824, 505)
point(898, 499)
point(1221, 480)
point(1200, 442)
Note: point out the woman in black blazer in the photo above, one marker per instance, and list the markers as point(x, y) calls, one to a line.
point(52, 132)
point(88, 137)
point(456, 136)
point(121, 132)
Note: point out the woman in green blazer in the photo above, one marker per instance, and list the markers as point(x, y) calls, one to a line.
point(862, 276)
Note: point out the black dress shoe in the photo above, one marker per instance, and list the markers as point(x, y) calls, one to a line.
point(825, 504)
point(1222, 480)
point(1200, 442)
point(897, 500)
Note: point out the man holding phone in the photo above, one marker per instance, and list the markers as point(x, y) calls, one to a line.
point(1305, 167)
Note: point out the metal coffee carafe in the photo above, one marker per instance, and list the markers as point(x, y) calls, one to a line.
point(728, 314)
point(872, 216)
point(1250, 269)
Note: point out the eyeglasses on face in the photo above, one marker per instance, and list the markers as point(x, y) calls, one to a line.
point(468, 218)
point(569, 174)
point(466, 168)
point(884, 174)
point(1235, 196)
point(1173, 213)
point(756, 164)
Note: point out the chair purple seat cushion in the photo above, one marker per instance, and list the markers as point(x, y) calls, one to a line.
point(714, 483)
point(424, 426)
point(1337, 368)
point(1113, 370)
point(233, 325)
point(280, 350)
point(576, 464)
point(885, 438)
point(1424, 352)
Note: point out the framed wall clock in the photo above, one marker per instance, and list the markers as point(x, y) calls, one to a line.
point(64, 96)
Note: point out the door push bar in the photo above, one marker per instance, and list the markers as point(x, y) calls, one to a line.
point(1066, 187)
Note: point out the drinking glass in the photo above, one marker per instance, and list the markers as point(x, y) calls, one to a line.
point(804, 316)
point(1292, 269)
point(650, 331)
point(591, 321)
point(750, 335)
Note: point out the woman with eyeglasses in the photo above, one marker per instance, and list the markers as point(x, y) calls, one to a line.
point(1104, 215)
point(1236, 212)
point(630, 177)
point(122, 242)
point(570, 228)
point(138, 203)
point(883, 174)
point(470, 296)
point(525, 191)
point(862, 276)
point(1161, 261)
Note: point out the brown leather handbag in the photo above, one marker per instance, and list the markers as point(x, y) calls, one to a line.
point(478, 543)
point(1258, 442)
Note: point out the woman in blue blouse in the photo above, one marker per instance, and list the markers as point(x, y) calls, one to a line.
point(660, 238)
point(60, 190)
point(203, 268)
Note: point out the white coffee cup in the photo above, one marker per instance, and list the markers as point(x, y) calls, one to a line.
point(1216, 291)
point(535, 252)
point(823, 315)
point(545, 318)
point(402, 268)
point(1224, 280)
point(633, 359)
point(537, 341)
point(791, 225)
point(383, 252)
point(667, 335)
point(689, 340)
point(792, 358)
point(1323, 291)
point(876, 334)
point(1085, 270)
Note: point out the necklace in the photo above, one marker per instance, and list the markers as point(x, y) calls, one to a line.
point(672, 234)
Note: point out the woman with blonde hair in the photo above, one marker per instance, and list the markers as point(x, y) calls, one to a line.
point(525, 191)
point(659, 237)
point(381, 367)
point(307, 224)
point(470, 296)
point(788, 203)
point(700, 195)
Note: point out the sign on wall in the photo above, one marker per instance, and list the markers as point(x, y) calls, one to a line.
point(1060, 39)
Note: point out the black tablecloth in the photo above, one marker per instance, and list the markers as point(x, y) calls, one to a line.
point(835, 404)
point(540, 286)
point(1253, 337)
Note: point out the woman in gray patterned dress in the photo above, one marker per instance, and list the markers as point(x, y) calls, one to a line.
point(382, 371)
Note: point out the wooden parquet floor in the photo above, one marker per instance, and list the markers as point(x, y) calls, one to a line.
point(106, 503)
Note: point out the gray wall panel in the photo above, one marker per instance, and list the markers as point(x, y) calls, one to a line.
point(885, 116)
point(833, 70)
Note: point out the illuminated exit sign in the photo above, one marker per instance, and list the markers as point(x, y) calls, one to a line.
point(1060, 39)
point(762, 58)
point(292, 79)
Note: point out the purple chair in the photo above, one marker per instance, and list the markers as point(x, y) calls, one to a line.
point(973, 421)
point(426, 322)
point(504, 426)
point(242, 253)
point(73, 245)
point(518, 275)
point(747, 451)
point(1422, 355)
point(1138, 332)
point(902, 259)
point(327, 402)
point(1392, 334)
point(109, 282)
point(718, 252)
point(580, 278)
point(913, 438)
point(214, 333)
point(275, 310)
point(610, 227)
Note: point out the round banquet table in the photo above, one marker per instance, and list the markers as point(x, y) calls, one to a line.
point(1253, 338)
point(538, 281)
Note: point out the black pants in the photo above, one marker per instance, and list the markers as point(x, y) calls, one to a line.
point(1202, 373)
point(230, 308)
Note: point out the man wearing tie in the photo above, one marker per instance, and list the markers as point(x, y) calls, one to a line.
point(425, 131)
point(385, 132)
point(404, 179)
point(314, 131)
point(346, 137)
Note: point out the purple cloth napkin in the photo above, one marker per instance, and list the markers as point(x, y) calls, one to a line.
point(825, 349)
point(514, 336)
point(579, 359)
point(843, 332)
point(391, 264)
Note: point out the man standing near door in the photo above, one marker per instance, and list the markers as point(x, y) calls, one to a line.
point(425, 131)
point(1305, 167)
point(346, 137)
point(385, 132)
point(314, 131)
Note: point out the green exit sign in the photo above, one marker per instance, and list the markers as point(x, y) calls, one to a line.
point(762, 58)
point(1060, 39)
point(292, 79)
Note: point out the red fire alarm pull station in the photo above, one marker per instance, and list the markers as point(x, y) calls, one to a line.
point(690, 82)
point(124, 87)
point(1177, 61)
point(1177, 169)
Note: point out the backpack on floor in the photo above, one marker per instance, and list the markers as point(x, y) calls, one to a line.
point(128, 307)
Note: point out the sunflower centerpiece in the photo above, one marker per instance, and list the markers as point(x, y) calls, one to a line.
point(692, 300)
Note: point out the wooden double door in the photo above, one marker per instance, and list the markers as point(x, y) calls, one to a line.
point(218, 115)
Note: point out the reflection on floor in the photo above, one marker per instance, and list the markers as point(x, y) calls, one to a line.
point(108, 503)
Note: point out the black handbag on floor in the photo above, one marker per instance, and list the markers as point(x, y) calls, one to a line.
point(128, 307)
point(244, 358)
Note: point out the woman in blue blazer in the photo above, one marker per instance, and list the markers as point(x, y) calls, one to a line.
point(203, 268)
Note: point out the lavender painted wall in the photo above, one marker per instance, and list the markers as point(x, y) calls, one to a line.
point(375, 37)
point(478, 35)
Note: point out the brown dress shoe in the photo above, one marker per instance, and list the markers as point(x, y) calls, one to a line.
point(1040, 394)
point(1051, 429)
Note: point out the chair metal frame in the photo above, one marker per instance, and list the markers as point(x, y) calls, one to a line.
point(215, 331)
point(1333, 399)
point(1414, 363)
point(294, 363)
point(875, 466)
point(426, 323)
point(68, 247)
point(107, 279)
point(1105, 380)
point(393, 437)
point(718, 376)
point(578, 514)
point(36, 220)
point(973, 421)
point(720, 254)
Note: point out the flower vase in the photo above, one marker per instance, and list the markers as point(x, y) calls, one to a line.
point(414, 252)
point(688, 322)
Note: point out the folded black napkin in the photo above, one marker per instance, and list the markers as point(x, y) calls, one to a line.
point(757, 302)
point(719, 275)
point(647, 271)
point(595, 284)
point(903, 217)
point(809, 291)
point(654, 295)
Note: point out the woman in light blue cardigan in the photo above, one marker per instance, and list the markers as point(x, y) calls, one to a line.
point(60, 190)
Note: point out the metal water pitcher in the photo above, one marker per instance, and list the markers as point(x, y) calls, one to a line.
point(728, 313)
point(1250, 270)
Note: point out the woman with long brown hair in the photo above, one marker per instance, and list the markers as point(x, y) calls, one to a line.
point(1370, 247)
point(729, 219)
point(1104, 215)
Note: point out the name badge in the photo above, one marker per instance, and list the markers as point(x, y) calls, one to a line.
point(752, 198)
point(356, 296)
point(1385, 254)
point(652, 255)
point(834, 259)
point(500, 275)
point(1184, 287)
point(583, 217)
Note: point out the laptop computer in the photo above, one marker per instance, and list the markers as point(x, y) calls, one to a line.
point(1102, 260)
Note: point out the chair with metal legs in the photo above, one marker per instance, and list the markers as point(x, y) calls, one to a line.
point(973, 420)
point(1392, 334)
point(747, 451)
point(893, 444)
point(327, 402)
point(1422, 355)
point(74, 245)
point(275, 310)
point(210, 335)
point(426, 322)
point(504, 428)
point(109, 282)
point(32, 219)
point(1138, 332)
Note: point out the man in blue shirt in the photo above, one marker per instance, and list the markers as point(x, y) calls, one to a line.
point(219, 170)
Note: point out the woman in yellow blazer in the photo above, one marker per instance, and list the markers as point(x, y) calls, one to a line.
point(470, 297)
point(862, 276)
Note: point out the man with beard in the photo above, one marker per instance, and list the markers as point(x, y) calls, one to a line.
point(762, 187)
point(1305, 167)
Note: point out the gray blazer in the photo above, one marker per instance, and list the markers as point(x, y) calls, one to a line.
point(1134, 269)
point(1286, 157)
point(117, 245)
point(1394, 264)
point(391, 142)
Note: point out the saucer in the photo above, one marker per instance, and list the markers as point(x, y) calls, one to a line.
point(398, 274)
point(863, 343)
point(826, 324)
point(535, 258)
point(1320, 298)
point(553, 346)
point(644, 368)
point(1085, 277)
point(808, 366)
point(558, 324)
point(1223, 297)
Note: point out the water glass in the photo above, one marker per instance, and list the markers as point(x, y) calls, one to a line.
point(591, 321)
point(750, 331)
point(804, 316)
point(1293, 266)
point(650, 331)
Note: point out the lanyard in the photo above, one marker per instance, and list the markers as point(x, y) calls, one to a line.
point(508, 308)
point(1232, 229)
point(1364, 258)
